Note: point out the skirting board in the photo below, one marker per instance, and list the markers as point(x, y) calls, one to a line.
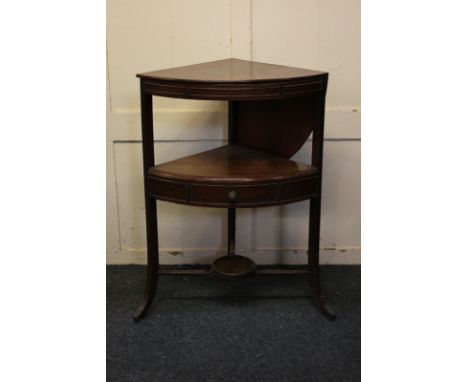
point(335, 256)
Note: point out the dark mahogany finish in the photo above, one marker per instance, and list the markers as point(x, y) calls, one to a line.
point(232, 164)
point(233, 79)
point(273, 109)
point(232, 176)
point(279, 127)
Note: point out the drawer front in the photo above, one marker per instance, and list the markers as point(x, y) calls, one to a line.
point(298, 189)
point(233, 195)
point(299, 89)
point(234, 91)
point(164, 89)
point(167, 190)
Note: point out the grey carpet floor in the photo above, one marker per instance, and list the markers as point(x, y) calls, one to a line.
point(259, 329)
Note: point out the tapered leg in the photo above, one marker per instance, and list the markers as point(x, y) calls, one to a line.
point(153, 259)
point(150, 207)
point(313, 254)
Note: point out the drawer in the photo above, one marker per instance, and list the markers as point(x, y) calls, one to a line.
point(237, 91)
point(164, 89)
point(216, 195)
point(299, 89)
point(298, 189)
point(167, 190)
point(238, 196)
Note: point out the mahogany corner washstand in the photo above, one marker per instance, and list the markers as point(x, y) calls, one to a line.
point(272, 111)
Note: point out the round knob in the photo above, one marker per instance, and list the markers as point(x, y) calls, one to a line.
point(232, 195)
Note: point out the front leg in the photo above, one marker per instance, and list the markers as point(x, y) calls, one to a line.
point(313, 259)
point(153, 259)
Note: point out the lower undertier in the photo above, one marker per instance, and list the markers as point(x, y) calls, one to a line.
point(232, 176)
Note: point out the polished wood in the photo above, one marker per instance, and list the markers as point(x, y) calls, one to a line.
point(152, 244)
point(233, 195)
point(273, 109)
point(232, 139)
point(231, 70)
point(233, 79)
point(231, 249)
point(279, 127)
point(232, 176)
point(233, 266)
point(314, 218)
point(232, 164)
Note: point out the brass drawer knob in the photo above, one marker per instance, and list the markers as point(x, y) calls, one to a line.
point(232, 195)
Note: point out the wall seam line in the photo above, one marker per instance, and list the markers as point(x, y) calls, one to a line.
point(251, 30)
point(108, 79)
point(117, 196)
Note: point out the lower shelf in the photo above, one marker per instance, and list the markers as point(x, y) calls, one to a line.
point(232, 176)
point(233, 266)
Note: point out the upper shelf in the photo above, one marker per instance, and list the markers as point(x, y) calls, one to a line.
point(233, 79)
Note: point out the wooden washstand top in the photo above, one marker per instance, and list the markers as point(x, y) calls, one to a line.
point(233, 79)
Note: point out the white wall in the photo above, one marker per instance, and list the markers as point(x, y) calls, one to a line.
point(145, 35)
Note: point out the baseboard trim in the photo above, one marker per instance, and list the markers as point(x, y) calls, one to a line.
point(341, 256)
